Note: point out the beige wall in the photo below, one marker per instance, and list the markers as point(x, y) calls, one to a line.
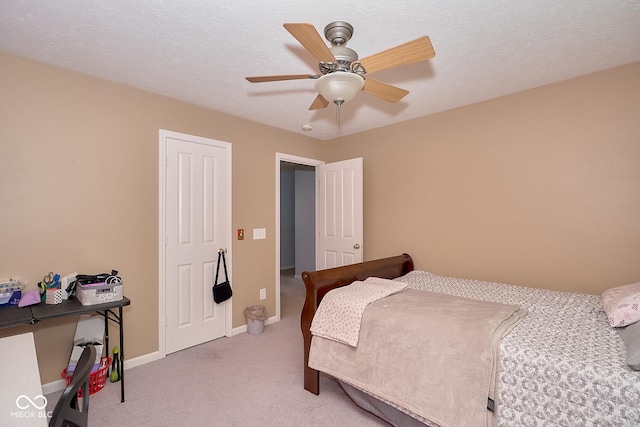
point(79, 186)
point(540, 188)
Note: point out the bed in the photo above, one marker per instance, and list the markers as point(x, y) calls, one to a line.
point(558, 363)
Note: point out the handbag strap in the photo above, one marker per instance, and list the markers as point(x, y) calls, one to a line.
point(224, 263)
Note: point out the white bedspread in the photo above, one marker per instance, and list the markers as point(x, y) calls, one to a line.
point(562, 365)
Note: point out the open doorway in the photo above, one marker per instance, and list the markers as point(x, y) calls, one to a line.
point(297, 218)
point(336, 192)
point(295, 223)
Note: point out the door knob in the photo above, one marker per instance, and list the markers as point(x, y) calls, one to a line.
point(356, 246)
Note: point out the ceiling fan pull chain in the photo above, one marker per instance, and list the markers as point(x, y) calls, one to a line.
point(338, 103)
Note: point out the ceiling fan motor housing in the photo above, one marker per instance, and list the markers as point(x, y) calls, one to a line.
point(344, 57)
point(338, 33)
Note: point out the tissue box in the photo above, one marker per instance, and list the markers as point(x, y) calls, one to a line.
point(9, 298)
point(99, 293)
point(10, 292)
point(89, 330)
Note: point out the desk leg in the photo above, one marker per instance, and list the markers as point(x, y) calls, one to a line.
point(106, 339)
point(121, 354)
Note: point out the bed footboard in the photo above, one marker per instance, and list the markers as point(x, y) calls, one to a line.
point(318, 283)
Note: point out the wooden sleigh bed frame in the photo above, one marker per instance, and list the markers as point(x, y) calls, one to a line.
point(590, 377)
point(318, 283)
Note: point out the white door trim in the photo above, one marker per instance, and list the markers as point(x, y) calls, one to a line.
point(292, 159)
point(162, 162)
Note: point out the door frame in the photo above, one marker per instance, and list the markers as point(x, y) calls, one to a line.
point(280, 157)
point(162, 168)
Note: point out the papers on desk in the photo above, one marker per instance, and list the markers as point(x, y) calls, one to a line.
point(89, 330)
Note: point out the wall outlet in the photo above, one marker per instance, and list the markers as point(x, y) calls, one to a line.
point(263, 293)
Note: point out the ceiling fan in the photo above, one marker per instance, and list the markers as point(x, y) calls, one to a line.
point(342, 73)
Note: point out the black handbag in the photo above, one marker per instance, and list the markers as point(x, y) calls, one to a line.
point(221, 291)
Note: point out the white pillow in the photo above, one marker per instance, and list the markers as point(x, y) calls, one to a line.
point(622, 304)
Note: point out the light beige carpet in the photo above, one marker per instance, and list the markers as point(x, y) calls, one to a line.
point(245, 380)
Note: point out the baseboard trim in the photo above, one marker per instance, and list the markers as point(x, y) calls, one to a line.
point(242, 329)
point(142, 360)
point(53, 386)
point(60, 384)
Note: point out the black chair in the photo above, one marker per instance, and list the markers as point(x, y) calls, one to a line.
point(67, 413)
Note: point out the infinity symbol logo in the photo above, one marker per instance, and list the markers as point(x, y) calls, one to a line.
point(30, 402)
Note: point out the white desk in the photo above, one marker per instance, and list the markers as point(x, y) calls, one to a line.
point(21, 400)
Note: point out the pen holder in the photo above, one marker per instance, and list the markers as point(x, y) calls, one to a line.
point(54, 296)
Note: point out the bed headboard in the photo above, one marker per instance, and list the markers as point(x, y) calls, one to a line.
point(318, 283)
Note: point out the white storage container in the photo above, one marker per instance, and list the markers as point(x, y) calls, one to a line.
point(99, 293)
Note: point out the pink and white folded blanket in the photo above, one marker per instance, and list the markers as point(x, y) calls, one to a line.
point(340, 312)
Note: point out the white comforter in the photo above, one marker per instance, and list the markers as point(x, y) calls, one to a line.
point(562, 365)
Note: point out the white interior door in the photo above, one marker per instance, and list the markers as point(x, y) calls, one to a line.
point(339, 214)
point(196, 225)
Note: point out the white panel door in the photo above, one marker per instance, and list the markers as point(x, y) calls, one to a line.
point(339, 214)
point(195, 229)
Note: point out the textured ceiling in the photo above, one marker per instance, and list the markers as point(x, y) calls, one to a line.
point(200, 51)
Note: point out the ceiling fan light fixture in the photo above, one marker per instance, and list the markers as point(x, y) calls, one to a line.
point(339, 86)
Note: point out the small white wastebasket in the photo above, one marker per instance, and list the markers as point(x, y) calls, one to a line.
point(256, 315)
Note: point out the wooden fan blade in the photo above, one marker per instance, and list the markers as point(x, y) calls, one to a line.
point(414, 51)
point(262, 79)
point(383, 90)
point(319, 103)
point(311, 40)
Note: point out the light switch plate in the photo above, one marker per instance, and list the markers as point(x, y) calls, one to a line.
point(259, 233)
